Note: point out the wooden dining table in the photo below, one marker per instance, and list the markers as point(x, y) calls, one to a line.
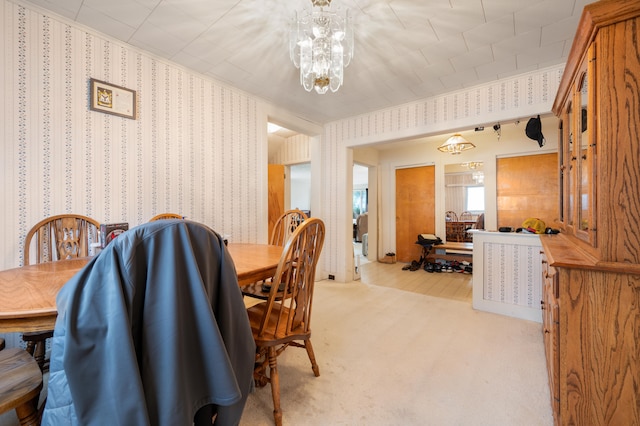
point(28, 294)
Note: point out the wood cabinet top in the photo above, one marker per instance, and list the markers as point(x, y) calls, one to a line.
point(562, 251)
point(594, 16)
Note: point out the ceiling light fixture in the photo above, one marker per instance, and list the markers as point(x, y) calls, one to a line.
point(472, 165)
point(456, 144)
point(321, 45)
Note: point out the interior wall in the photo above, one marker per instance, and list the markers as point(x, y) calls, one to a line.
point(294, 149)
point(52, 139)
point(197, 147)
point(512, 142)
point(423, 151)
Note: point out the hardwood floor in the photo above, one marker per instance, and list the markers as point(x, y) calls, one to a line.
point(454, 285)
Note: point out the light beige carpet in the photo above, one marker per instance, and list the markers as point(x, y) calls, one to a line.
point(390, 357)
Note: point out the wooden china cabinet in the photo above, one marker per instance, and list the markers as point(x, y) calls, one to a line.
point(591, 270)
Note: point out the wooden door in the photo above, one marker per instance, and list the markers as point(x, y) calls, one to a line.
point(527, 186)
point(415, 209)
point(276, 194)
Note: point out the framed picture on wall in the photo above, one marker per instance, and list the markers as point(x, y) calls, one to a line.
point(112, 99)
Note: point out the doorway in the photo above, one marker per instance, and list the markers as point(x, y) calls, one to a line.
point(360, 213)
point(289, 179)
point(300, 187)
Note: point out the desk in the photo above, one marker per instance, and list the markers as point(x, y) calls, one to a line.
point(28, 301)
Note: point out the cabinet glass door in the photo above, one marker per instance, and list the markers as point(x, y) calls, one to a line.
point(572, 167)
point(561, 166)
point(584, 168)
point(585, 153)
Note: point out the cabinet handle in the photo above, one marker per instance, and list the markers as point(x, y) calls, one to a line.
point(542, 305)
point(546, 331)
point(574, 158)
point(584, 156)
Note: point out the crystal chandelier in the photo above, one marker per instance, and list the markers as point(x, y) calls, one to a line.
point(477, 175)
point(456, 144)
point(321, 45)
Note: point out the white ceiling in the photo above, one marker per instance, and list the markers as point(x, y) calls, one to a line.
point(404, 49)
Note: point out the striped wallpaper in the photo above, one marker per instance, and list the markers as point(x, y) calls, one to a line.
point(294, 149)
point(197, 147)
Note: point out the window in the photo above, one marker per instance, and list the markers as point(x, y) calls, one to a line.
point(475, 199)
point(360, 202)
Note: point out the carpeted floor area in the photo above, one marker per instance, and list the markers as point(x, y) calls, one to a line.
point(395, 357)
point(392, 357)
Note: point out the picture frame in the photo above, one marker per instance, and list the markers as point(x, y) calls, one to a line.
point(112, 99)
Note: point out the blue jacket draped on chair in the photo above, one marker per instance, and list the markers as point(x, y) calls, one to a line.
point(150, 331)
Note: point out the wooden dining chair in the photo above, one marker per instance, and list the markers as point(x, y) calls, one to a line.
point(60, 237)
point(282, 230)
point(466, 216)
point(285, 225)
point(20, 385)
point(479, 222)
point(283, 321)
point(467, 220)
point(450, 216)
point(162, 216)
